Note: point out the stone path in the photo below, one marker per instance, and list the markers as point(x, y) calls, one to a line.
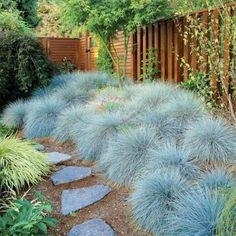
point(75, 199)
point(95, 227)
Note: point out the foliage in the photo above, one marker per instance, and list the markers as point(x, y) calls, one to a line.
point(12, 21)
point(169, 156)
point(153, 200)
point(94, 137)
point(226, 223)
point(50, 20)
point(65, 66)
point(14, 114)
point(25, 218)
point(127, 155)
point(104, 18)
point(217, 179)
point(150, 67)
point(23, 66)
point(6, 131)
point(200, 83)
point(27, 9)
point(210, 139)
point(41, 120)
point(104, 61)
point(20, 164)
point(197, 213)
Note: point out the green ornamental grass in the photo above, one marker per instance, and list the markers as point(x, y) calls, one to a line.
point(20, 164)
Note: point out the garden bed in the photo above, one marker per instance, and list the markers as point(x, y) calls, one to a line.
point(114, 208)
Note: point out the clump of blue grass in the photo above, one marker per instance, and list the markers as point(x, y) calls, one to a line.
point(41, 119)
point(42, 92)
point(72, 94)
point(15, 113)
point(216, 179)
point(184, 108)
point(210, 139)
point(153, 201)
point(165, 127)
point(151, 97)
point(63, 79)
point(65, 122)
point(93, 138)
point(94, 80)
point(197, 213)
point(171, 156)
point(128, 154)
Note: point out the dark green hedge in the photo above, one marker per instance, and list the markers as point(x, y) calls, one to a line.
point(23, 66)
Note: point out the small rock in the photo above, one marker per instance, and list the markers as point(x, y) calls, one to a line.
point(76, 199)
point(95, 227)
point(56, 157)
point(70, 174)
point(39, 147)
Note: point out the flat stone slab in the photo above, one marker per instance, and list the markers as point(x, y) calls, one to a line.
point(57, 157)
point(75, 199)
point(39, 147)
point(70, 174)
point(95, 227)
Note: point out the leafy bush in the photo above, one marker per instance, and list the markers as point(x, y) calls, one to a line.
point(93, 138)
point(41, 120)
point(23, 67)
point(153, 200)
point(13, 21)
point(15, 113)
point(169, 156)
point(127, 155)
point(217, 178)
point(65, 66)
point(27, 218)
point(20, 164)
point(197, 213)
point(210, 139)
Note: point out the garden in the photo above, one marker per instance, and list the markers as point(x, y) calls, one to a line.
point(96, 153)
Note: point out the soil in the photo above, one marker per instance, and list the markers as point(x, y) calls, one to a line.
point(114, 208)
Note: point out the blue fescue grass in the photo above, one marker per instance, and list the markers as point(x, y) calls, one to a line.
point(72, 94)
point(217, 179)
point(164, 127)
point(127, 155)
point(41, 119)
point(184, 107)
point(94, 136)
point(65, 122)
point(15, 113)
point(197, 213)
point(170, 156)
point(153, 200)
point(210, 139)
point(151, 97)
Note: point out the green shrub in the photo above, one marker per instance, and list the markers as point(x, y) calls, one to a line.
point(23, 66)
point(6, 131)
point(27, 218)
point(20, 164)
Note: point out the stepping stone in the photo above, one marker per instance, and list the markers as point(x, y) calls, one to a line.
point(76, 199)
point(56, 157)
point(39, 147)
point(95, 227)
point(70, 174)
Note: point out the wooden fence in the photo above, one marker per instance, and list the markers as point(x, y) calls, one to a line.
point(78, 51)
